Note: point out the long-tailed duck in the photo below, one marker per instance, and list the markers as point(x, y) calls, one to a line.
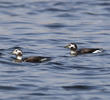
point(33, 59)
point(74, 49)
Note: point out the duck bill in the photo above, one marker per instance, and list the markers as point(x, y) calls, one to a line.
point(12, 53)
point(66, 46)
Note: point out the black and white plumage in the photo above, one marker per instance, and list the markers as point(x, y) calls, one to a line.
point(33, 59)
point(74, 49)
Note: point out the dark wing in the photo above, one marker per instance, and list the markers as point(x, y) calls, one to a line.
point(36, 59)
point(88, 50)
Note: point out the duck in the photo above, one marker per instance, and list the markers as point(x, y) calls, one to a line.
point(75, 51)
point(32, 59)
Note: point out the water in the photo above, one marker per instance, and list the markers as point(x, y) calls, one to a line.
point(44, 27)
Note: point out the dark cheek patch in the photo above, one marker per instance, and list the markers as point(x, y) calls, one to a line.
point(19, 54)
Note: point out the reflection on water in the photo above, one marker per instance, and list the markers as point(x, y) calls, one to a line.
point(43, 28)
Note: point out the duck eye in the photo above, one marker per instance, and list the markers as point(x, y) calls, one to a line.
point(70, 45)
point(16, 50)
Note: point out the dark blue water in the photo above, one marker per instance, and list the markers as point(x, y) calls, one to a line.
point(43, 28)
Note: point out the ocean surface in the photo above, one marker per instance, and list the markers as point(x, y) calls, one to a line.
point(43, 28)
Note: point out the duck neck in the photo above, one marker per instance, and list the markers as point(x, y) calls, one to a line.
point(73, 51)
point(19, 56)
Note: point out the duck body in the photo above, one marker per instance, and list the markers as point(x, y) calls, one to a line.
point(33, 59)
point(75, 51)
point(88, 50)
point(36, 59)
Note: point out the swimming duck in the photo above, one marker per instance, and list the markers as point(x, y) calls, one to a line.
point(74, 49)
point(33, 59)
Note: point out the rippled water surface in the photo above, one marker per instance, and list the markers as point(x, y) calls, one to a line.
point(43, 28)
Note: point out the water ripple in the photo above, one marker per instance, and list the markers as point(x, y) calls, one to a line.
point(79, 87)
point(55, 25)
point(8, 88)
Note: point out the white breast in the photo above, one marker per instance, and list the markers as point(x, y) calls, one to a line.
point(73, 52)
point(19, 57)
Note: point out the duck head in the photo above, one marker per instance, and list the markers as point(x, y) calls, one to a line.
point(18, 54)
